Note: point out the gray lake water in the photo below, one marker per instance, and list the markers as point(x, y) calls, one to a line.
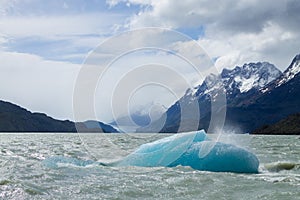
point(24, 176)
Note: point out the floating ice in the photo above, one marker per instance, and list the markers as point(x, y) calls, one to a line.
point(195, 150)
point(192, 149)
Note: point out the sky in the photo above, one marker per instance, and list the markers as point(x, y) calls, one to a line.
point(44, 45)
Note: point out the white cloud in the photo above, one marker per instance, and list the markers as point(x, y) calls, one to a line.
point(167, 81)
point(47, 86)
point(52, 26)
point(137, 49)
point(235, 31)
point(37, 84)
point(60, 34)
point(6, 6)
point(274, 44)
point(3, 41)
point(112, 3)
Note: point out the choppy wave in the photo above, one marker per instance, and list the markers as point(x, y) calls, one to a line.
point(279, 166)
point(24, 173)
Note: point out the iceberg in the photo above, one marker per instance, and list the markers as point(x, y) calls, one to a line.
point(193, 149)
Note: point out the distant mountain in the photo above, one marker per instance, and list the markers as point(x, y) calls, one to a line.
point(92, 126)
point(136, 119)
point(142, 117)
point(256, 93)
point(14, 118)
point(289, 125)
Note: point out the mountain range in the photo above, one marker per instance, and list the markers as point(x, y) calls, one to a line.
point(257, 94)
point(14, 118)
point(259, 97)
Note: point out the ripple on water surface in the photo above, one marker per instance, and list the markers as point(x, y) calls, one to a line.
point(23, 176)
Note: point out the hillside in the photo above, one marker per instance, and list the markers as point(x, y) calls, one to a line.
point(289, 125)
point(14, 118)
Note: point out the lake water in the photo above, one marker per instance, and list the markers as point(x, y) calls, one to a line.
point(24, 176)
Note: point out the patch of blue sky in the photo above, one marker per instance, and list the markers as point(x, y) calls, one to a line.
point(126, 8)
point(58, 7)
point(61, 50)
point(192, 32)
point(67, 46)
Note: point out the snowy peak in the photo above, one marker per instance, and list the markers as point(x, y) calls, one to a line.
point(210, 82)
point(236, 81)
point(291, 71)
point(251, 75)
point(240, 79)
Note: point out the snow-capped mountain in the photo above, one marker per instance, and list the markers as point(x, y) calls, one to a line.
point(237, 84)
point(249, 106)
point(251, 76)
point(291, 71)
point(286, 76)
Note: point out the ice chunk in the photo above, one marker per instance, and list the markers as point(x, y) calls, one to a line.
point(162, 152)
point(221, 158)
point(187, 150)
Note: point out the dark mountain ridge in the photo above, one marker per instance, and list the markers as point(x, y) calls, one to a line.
point(14, 118)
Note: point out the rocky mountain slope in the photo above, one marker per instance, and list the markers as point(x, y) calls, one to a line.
point(256, 93)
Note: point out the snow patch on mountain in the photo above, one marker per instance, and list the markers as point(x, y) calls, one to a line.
point(246, 84)
point(291, 71)
point(287, 75)
point(238, 80)
point(252, 75)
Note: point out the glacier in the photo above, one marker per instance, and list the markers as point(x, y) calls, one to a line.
point(193, 149)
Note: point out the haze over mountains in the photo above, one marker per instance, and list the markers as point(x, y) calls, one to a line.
point(257, 94)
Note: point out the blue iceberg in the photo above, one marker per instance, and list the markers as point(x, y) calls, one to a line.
point(192, 149)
